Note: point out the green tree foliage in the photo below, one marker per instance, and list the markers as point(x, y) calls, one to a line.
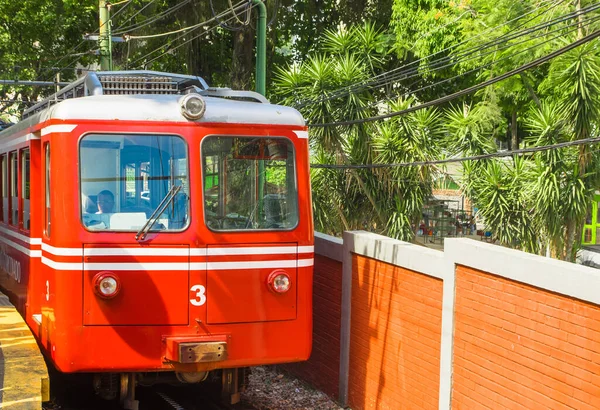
point(32, 34)
point(535, 203)
point(388, 200)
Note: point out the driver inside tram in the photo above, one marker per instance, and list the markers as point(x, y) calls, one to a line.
point(105, 201)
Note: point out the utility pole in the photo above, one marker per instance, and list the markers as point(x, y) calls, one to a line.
point(105, 36)
point(261, 81)
point(261, 48)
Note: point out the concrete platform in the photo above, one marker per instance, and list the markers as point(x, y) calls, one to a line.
point(24, 382)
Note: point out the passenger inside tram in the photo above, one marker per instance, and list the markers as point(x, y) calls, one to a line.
point(134, 182)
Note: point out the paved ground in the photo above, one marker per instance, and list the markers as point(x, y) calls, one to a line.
point(24, 379)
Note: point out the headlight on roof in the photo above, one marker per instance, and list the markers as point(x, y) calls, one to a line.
point(192, 106)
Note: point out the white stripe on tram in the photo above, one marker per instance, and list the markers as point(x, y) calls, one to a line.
point(273, 250)
point(23, 238)
point(156, 251)
point(62, 251)
point(195, 266)
point(62, 265)
point(22, 249)
point(251, 265)
point(17, 141)
point(158, 266)
point(302, 134)
point(303, 263)
point(151, 266)
point(58, 128)
point(136, 252)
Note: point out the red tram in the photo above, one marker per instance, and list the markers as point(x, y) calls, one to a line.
point(151, 224)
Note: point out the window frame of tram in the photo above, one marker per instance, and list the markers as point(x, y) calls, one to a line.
point(47, 204)
point(25, 192)
point(14, 188)
point(261, 160)
point(166, 165)
point(5, 208)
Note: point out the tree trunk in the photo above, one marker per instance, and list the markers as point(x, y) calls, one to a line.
point(570, 241)
point(514, 138)
point(242, 61)
point(579, 19)
point(530, 90)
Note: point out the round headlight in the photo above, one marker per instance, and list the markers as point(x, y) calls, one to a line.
point(106, 285)
point(279, 281)
point(192, 106)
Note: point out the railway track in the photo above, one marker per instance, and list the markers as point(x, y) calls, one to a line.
point(168, 398)
point(158, 397)
point(72, 394)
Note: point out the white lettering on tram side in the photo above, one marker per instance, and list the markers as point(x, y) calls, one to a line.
point(200, 296)
point(10, 265)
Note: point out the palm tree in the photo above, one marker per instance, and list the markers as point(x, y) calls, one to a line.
point(574, 83)
point(387, 200)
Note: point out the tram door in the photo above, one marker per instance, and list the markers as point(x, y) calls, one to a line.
point(250, 186)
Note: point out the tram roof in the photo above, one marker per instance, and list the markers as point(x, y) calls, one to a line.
point(167, 108)
point(109, 96)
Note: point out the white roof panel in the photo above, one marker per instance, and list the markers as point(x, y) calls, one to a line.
point(166, 108)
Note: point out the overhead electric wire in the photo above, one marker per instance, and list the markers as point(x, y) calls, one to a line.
point(121, 10)
point(69, 53)
point(468, 90)
point(409, 69)
point(462, 159)
point(119, 3)
point(170, 49)
point(13, 101)
point(160, 48)
point(181, 29)
point(437, 65)
point(225, 26)
point(574, 27)
point(504, 43)
point(134, 15)
point(408, 90)
point(151, 20)
point(74, 62)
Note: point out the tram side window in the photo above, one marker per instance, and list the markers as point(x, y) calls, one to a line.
point(14, 192)
point(249, 183)
point(5, 188)
point(47, 169)
point(25, 188)
point(124, 179)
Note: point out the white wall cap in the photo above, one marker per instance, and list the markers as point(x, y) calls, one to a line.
point(329, 246)
point(403, 254)
point(562, 277)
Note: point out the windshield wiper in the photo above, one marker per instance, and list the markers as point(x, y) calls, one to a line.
point(141, 235)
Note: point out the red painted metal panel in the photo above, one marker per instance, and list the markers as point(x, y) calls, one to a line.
point(242, 295)
point(147, 297)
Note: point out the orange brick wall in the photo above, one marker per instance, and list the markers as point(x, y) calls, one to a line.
point(322, 369)
point(520, 347)
point(395, 337)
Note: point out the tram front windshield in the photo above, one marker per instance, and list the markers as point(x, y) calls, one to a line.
point(249, 183)
point(125, 178)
